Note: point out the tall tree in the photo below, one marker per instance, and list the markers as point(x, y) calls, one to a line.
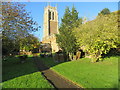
point(65, 38)
point(16, 24)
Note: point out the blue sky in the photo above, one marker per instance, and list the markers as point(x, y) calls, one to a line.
point(85, 9)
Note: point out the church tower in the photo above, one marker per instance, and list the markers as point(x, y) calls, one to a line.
point(50, 21)
point(50, 26)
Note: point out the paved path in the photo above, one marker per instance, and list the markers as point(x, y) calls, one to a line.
point(56, 80)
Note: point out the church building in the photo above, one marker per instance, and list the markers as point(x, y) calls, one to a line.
point(50, 27)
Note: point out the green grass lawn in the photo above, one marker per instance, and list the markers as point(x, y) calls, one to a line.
point(90, 75)
point(22, 75)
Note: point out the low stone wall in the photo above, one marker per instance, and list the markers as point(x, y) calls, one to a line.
point(59, 57)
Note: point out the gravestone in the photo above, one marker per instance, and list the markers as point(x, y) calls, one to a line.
point(78, 54)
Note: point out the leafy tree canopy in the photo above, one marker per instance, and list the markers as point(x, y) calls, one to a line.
point(104, 11)
point(16, 25)
point(98, 36)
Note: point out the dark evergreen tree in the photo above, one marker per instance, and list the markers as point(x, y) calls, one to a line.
point(66, 39)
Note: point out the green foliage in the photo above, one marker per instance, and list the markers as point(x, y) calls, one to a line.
point(98, 36)
point(104, 11)
point(29, 43)
point(16, 25)
point(9, 46)
point(66, 39)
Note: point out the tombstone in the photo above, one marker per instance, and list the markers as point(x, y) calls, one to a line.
point(66, 57)
point(56, 57)
point(78, 54)
point(61, 57)
point(74, 57)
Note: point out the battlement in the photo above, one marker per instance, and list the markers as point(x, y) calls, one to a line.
point(50, 7)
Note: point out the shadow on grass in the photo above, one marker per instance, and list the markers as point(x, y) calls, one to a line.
point(48, 62)
point(44, 63)
point(113, 52)
point(12, 68)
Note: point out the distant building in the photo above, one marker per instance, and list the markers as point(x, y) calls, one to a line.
point(50, 27)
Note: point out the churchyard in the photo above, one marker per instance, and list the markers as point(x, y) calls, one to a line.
point(80, 72)
point(84, 54)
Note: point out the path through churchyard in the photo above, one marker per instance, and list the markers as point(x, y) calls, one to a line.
point(56, 80)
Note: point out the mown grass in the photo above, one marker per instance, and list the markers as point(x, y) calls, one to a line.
point(102, 74)
point(91, 75)
point(22, 75)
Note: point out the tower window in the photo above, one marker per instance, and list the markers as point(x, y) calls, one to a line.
point(49, 15)
point(53, 16)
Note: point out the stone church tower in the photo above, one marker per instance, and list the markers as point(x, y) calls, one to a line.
point(50, 27)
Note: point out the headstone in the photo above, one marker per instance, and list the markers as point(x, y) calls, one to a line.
point(78, 55)
point(61, 58)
